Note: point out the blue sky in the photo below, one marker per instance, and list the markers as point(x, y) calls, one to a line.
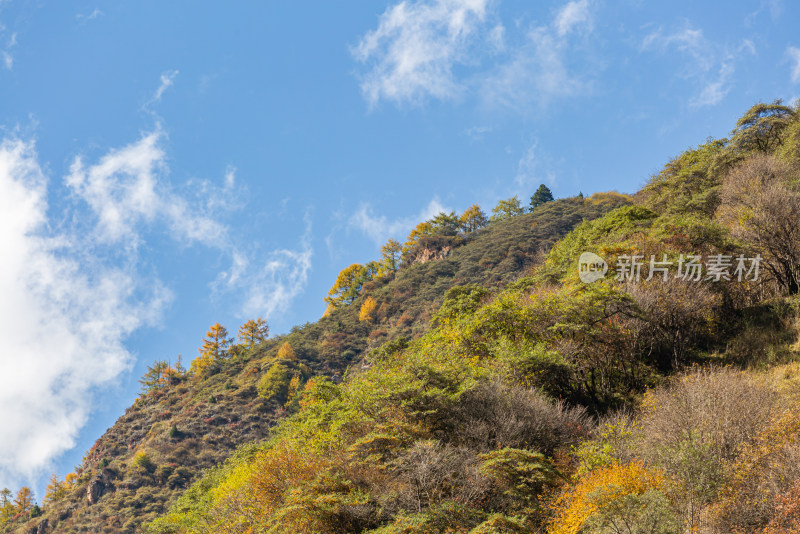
point(167, 165)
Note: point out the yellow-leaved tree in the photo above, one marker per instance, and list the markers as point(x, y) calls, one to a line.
point(23, 502)
point(390, 257)
point(286, 352)
point(367, 312)
point(473, 219)
point(628, 494)
point(215, 348)
point(56, 490)
point(349, 282)
point(253, 332)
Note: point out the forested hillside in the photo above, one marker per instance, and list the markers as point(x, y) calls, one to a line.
point(188, 420)
point(661, 398)
point(475, 380)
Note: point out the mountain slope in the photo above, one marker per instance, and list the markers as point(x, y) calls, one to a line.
point(690, 377)
point(172, 433)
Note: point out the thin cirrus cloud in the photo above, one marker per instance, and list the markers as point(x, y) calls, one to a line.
point(74, 288)
point(710, 66)
point(418, 46)
point(8, 57)
point(794, 56)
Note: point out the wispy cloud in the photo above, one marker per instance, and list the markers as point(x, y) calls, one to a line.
point(533, 169)
point(715, 89)
point(270, 283)
point(125, 189)
point(476, 133)
point(794, 56)
point(572, 16)
point(8, 58)
point(380, 228)
point(83, 17)
point(412, 53)
point(535, 74)
point(711, 65)
point(167, 80)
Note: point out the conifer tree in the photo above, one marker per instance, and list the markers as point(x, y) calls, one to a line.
point(367, 311)
point(473, 219)
point(56, 490)
point(216, 342)
point(541, 196)
point(24, 500)
point(253, 332)
point(390, 257)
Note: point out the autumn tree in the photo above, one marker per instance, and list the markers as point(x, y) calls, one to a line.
point(156, 377)
point(216, 342)
point(542, 195)
point(6, 506)
point(473, 219)
point(349, 282)
point(286, 352)
point(367, 312)
point(215, 348)
point(390, 257)
point(253, 332)
point(24, 500)
point(56, 490)
point(506, 209)
point(629, 493)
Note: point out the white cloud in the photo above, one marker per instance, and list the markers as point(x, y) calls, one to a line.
point(535, 74)
point(64, 317)
point(91, 16)
point(74, 287)
point(8, 58)
point(532, 170)
point(571, 16)
point(715, 90)
point(711, 66)
point(126, 189)
point(476, 133)
point(272, 283)
point(167, 80)
point(794, 55)
point(419, 47)
point(412, 53)
point(379, 228)
point(230, 177)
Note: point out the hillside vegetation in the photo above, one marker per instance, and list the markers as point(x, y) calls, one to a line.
point(546, 404)
point(189, 420)
point(469, 382)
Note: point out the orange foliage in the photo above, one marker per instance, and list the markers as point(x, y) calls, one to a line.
point(575, 506)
